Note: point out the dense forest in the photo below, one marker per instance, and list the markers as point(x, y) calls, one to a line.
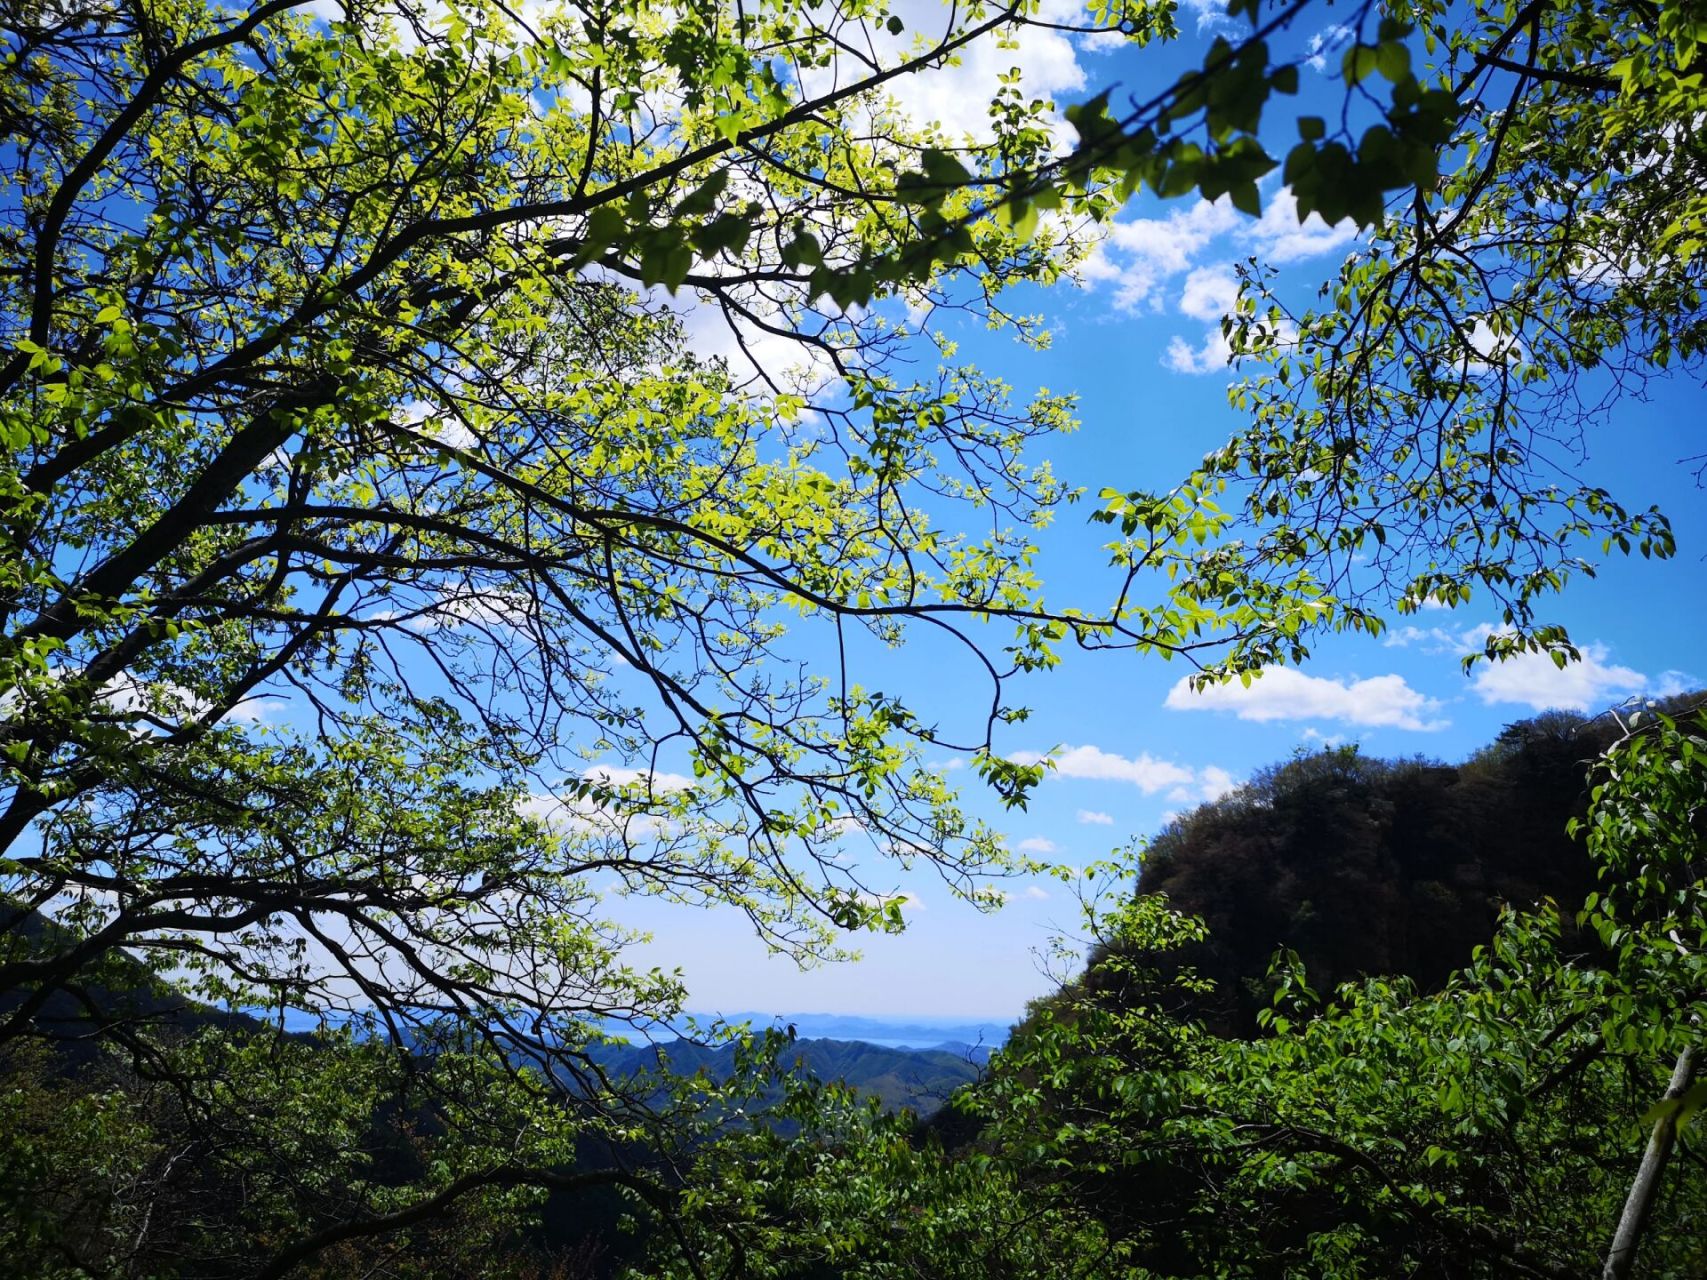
point(1365, 866)
point(476, 476)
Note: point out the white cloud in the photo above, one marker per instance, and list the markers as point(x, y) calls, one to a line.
point(1210, 291)
point(473, 608)
point(956, 97)
point(1212, 783)
point(1140, 255)
point(1668, 684)
point(1490, 347)
point(1096, 818)
point(611, 775)
point(254, 711)
point(159, 703)
point(751, 351)
point(1212, 16)
point(1038, 844)
point(1532, 680)
point(1037, 893)
point(1283, 693)
point(1143, 771)
point(1328, 40)
point(588, 818)
point(1102, 41)
point(1215, 782)
point(1438, 640)
point(1279, 238)
point(1215, 354)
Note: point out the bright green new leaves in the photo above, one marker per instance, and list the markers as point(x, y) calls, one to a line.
point(373, 524)
point(826, 1183)
point(389, 571)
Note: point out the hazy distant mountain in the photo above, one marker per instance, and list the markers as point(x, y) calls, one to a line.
point(894, 1033)
point(920, 1079)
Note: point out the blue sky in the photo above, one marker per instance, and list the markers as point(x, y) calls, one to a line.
point(1136, 339)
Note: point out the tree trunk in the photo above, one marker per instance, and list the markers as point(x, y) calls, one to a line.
point(1645, 1189)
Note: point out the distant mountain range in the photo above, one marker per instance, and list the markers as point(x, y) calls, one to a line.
point(919, 1079)
point(913, 1062)
point(905, 1062)
point(952, 1034)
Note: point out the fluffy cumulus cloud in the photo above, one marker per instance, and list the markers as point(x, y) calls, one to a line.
point(1141, 255)
point(1143, 771)
point(1286, 694)
point(1140, 259)
point(1037, 893)
point(1212, 783)
point(1038, 844)
point(159, 705)
point(956, 98)
point(1096, 818)
point(1534, 681)
point(612, 775)
point(1213, 355)
point(1209, 292)
point(1215, 782)
point(1216, 352)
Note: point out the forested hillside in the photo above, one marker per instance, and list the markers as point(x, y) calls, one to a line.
point(920, 1080)
point(1366, 866)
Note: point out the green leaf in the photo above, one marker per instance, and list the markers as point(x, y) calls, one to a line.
point(704, 200)
point(1393, 60)
point(1359, 62)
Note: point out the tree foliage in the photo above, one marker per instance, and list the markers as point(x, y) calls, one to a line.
point(388, 571)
